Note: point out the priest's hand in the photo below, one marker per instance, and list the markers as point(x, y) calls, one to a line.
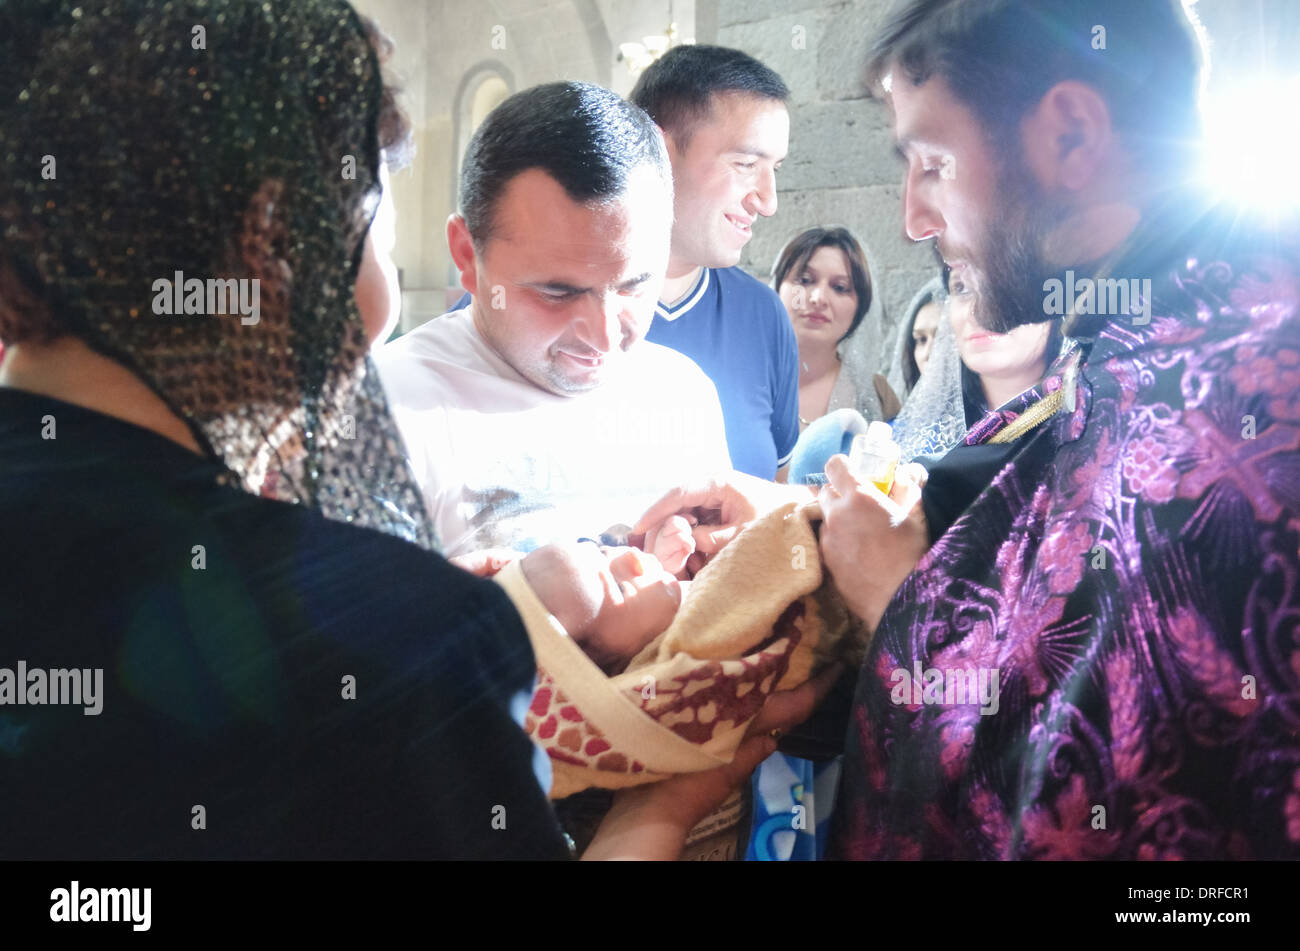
point(870, 542)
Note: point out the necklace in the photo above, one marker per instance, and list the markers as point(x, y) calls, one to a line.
point(803, 423)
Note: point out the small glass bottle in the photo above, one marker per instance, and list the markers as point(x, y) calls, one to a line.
point(874, 456)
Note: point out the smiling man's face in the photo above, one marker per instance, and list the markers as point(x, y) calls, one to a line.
point(562, 289)
point(725, 178)
point(984, 209)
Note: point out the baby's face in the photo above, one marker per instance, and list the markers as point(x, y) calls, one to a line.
point(641, 598)
point(613, 601)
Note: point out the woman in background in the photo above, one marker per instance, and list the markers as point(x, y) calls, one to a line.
point(968, 372)
point(996, 368)
point(933, 418)
point(823, 279)
point(916, 339)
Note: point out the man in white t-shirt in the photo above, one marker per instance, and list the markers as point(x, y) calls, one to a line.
point(538, 413)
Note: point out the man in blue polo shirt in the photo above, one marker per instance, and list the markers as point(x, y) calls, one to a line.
point(724, 118)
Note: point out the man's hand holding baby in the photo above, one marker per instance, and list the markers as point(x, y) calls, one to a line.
point(486, 562)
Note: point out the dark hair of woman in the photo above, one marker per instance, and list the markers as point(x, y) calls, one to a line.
point(794, 258)
point(911, 369)
point(396, 136)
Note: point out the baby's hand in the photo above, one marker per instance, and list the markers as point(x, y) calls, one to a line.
point(486, 562)
point(672, 542)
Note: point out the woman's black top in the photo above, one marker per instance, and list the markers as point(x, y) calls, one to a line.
point(275, 684)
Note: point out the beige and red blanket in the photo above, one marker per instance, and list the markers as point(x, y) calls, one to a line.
point(761, 616)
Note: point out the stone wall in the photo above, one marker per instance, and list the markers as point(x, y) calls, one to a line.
point(841, 168)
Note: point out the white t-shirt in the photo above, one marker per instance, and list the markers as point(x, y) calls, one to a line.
point(504, 463)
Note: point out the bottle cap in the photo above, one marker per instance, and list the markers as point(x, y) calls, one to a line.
point(879, 431)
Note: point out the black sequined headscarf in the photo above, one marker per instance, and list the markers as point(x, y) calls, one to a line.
point(222, 139)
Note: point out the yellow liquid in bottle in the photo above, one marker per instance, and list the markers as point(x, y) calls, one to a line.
point(886, 481)
point(874, 461)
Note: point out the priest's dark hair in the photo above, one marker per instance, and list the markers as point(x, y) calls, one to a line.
point(1000, 57)
point(584, 136)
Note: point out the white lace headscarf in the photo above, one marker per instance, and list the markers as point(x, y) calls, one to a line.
point(933, 417)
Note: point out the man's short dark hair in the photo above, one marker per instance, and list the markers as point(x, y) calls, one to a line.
point(585, 137)
point(1000, 57)
point(677, 89)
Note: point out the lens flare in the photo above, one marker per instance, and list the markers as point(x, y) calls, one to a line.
point(1252, 153)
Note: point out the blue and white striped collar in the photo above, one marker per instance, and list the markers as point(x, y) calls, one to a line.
point(687, 302)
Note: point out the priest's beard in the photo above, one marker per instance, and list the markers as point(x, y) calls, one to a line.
point(1012, 267)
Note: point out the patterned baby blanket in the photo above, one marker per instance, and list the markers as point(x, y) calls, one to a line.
point(761, 616)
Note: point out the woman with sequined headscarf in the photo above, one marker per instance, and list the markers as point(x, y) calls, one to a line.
point(184, 193)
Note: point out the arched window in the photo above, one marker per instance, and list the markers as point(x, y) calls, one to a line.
point(483, 87)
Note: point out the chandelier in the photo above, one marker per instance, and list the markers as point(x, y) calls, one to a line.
point(637, 56)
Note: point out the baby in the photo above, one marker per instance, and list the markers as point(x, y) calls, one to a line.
point(619, 597)
point(648, 674)
point(613, 601)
